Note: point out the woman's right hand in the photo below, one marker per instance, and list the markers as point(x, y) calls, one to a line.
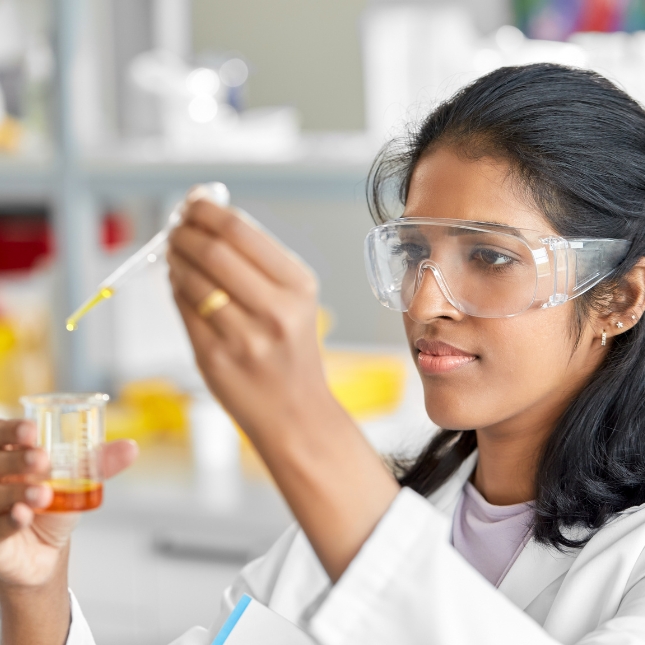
point(30, 542)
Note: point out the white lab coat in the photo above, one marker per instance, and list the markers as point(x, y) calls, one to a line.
point(408, 586)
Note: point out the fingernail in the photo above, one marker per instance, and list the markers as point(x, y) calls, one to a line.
point(197, 193)
point(15, 514)
point(31, 457)
point(24, 432)
point(32, 494)
point(40, 496)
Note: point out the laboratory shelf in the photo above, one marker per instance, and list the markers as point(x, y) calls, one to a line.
point(27, 177)
point(304, 176)
point(285, 180)
point(320, 166)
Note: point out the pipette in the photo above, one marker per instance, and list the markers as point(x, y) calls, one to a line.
point(148, 254)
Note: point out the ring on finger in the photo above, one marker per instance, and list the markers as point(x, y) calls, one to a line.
point(213, 302)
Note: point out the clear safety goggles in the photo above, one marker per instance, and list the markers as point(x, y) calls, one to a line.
point(483, 269)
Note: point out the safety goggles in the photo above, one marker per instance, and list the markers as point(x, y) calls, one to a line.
point(484, 269)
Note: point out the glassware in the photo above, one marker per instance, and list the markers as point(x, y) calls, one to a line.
point(216, 192)
point(71, 430)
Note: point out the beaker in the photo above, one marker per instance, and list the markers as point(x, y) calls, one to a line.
point(71, 430)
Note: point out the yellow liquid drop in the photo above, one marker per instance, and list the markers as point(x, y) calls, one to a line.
point(71, 323)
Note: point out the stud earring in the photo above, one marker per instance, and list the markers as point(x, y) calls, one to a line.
point(619, 324)
point(603, 338)
point(633, 317)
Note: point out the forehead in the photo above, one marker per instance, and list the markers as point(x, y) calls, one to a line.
point(446, 184)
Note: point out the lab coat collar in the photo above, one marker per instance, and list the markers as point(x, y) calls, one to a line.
point(446, 497)
point(536, 567)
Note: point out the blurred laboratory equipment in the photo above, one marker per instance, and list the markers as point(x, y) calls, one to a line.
point(25, 69)
point(71, 430)
point(416, 56)
point(12, 49)
point(149, 411)
point(200, 112)
point(26, 287)
point(148, 254)
point(413, 55)
point(556, 20)
point(214, 438)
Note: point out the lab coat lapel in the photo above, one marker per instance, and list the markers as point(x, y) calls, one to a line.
point(536, 567)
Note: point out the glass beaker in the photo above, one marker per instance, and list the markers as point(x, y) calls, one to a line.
point(71, 430)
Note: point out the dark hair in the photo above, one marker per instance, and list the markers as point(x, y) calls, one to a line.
point(577, 145)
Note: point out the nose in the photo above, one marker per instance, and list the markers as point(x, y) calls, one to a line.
point(429, 301)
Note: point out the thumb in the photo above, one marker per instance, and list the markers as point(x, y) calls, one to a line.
point(118, 455)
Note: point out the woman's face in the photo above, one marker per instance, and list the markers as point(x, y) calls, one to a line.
point(507, 374)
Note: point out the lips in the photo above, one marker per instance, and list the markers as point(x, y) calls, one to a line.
point(436, 357)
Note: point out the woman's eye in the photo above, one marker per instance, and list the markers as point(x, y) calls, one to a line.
point(412, 253)
point(492, 258)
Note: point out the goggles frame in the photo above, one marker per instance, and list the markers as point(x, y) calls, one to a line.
point(566, 267)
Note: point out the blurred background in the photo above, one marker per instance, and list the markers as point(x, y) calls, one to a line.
point(109, 111)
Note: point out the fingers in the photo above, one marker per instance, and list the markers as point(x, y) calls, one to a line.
point(17, 432)
point(203, 337)
point(118, 455)
point(266, 253)
point(222, 264)
point(194, 287)
point(20, 517)
point(206, 342)
point(32, 495)
point(30, 461)
point(22, 466)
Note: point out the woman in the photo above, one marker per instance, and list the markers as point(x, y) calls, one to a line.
point(520, 270)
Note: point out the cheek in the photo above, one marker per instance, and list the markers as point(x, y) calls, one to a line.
point(522, 360)
point(527, 354)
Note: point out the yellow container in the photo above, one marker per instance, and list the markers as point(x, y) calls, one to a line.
point(149, 410)
point(25, 360)
point(10, 135)
point(366, 385)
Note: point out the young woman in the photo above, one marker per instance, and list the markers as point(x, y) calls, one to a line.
point(519, 268)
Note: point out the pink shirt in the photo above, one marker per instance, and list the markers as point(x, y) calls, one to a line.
point(490, 537)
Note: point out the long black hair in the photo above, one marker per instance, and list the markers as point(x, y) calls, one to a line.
point(576, 144)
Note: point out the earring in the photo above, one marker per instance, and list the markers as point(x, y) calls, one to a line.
point(619, 324)
point(603, 338)
point(633, 317)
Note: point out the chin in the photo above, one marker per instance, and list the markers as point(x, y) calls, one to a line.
point(453, 415)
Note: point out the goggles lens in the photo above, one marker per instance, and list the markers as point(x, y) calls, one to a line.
point(482, 273)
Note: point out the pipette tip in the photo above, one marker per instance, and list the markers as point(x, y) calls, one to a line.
point(71, 324)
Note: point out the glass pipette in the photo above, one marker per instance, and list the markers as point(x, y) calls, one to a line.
point(216, 192)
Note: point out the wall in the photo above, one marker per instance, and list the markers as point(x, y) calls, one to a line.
point(302, 52)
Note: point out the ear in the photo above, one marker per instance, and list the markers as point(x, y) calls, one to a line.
point(626, 304)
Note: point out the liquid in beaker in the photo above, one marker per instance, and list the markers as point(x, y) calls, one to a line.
point(71, 430)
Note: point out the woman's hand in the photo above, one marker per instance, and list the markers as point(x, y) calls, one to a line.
point(30, 542)
point(263, 343)
point(259, 355)
point(34, 546)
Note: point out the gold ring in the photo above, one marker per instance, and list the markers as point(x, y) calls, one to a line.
point(213, 302)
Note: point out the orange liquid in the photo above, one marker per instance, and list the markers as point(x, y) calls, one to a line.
point(75, 495)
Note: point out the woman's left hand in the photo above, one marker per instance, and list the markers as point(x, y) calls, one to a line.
point(259, 355)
